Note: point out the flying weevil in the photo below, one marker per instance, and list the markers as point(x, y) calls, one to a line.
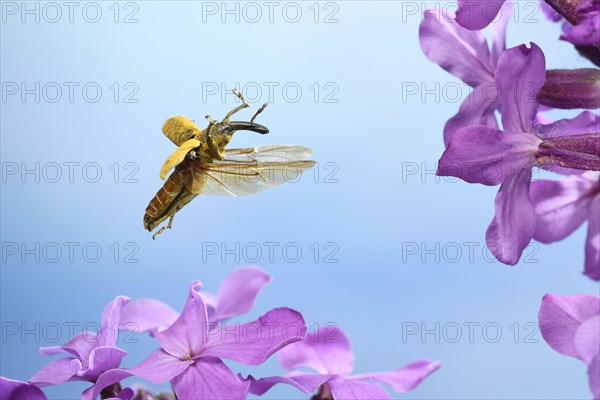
point(203, 165)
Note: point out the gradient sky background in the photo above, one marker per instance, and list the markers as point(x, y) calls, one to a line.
point(360, 202)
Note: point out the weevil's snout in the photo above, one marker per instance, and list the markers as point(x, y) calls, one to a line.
point(247, 126)
point(263, 130)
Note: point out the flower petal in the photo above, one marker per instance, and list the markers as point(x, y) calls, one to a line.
point(108, 378)
point(352, 389)
point(209, 378)
point(237, 293)
point(499, 32)
point(56, 373)
point(463, 53)
point(307, 383)
point(560, 316)
point(477, 109)
point(594, 377)
point(17, 390)
point(513, 225)
point(125, 394)
point(147, 315)
point(110, 321)
point(254, 342)
point(561, 206)
point(406, 378)
point(477, 14)
point(587, 339)
point(101, 360)
point(550, 13)
point(520, 75)
point(592, 244)
point(585, 33)
point(160, 367)
point(587, 344)
point(478, 154)
point(186, 336)
point(586, 121)
point(326, 350)
point(80, 346)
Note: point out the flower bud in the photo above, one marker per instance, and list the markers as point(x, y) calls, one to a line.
point(575, 151)
point(569, 9)
point(571, 88)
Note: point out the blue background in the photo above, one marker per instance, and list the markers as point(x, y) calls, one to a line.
point(370, 210)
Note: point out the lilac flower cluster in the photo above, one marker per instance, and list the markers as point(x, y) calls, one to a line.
point(193, 344)
point(515, 83)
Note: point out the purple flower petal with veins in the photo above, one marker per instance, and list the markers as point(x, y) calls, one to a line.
point(465, 54)
point(571, 326)
point(17, 390)
point(561, 206)
point(237, 293)
point(329, 354)
point(145, 315)
point(477, 14)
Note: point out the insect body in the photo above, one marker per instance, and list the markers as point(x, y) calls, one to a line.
point(203, 165)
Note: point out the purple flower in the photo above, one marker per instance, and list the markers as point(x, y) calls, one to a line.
point(236, 296)
point(90, 353)
point(465, 54)
point(94, 353)
point(17, 390)
point(479, 154)
point(571, 326)
point(561, 206)
point(477, 14)
point(329, 354)
point(191, 352)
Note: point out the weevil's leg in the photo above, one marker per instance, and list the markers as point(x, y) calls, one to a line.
point(261, 109)
point(214, 149)
point(238, 108)
point(164, 228)
point(211, 121)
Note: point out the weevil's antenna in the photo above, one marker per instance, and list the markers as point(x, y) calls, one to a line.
point(239, 95)
point(238, 108)
point(261, 109)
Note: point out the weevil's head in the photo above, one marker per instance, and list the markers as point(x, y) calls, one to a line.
point(222, 132)
point(230, 127)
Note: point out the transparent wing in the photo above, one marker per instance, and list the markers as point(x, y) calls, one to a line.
point(268, 153)
point(249, 171)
